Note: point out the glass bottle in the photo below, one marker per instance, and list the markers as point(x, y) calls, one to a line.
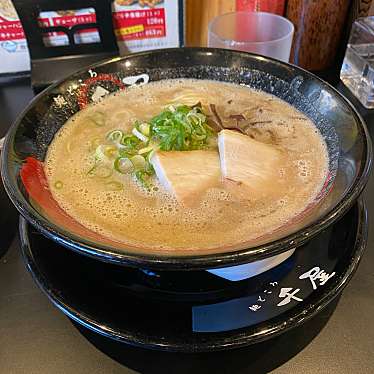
point(318, 29)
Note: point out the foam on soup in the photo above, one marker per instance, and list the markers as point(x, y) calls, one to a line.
point(120, 209)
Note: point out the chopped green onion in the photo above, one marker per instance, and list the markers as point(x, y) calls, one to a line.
point(123, 165)
point(110, 151)
point(100, 171)
point(144, 129)
point(138, 162)
point(181, 128)
point(59, 185)
point(130, 142)
point(127, 153)
point(139, 135)
point(150, 155)
point(104, 172)
point(105, 152)
point(115, 136)
point(143, 178)
point(177, 128)
point(198, 137)
point(149, 168)
point(145, 150)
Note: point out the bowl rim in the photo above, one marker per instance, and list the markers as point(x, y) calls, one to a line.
point(187, 262)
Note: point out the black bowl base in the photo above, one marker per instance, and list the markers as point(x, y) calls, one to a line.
point(195, 311)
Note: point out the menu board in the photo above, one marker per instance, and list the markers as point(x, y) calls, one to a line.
point(138, 25)
point(68, 18)
point(14, 55)
point(142, 25)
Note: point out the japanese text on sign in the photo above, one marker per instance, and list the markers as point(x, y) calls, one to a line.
point(135, 24)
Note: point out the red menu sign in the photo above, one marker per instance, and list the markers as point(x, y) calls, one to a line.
point(10, 30)
point(139, 24)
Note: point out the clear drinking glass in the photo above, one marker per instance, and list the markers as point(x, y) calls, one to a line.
point(258, 32)
point(357, 71)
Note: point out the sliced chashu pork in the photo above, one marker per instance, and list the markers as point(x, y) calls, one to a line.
point(248, 164)
point(187, 174)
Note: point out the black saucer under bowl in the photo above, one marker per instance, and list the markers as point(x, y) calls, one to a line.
point(8, 221)
point(194, 311)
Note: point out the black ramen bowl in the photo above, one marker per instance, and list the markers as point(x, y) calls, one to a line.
point(342, 128)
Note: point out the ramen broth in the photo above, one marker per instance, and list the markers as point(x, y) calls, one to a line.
point(116, 206)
